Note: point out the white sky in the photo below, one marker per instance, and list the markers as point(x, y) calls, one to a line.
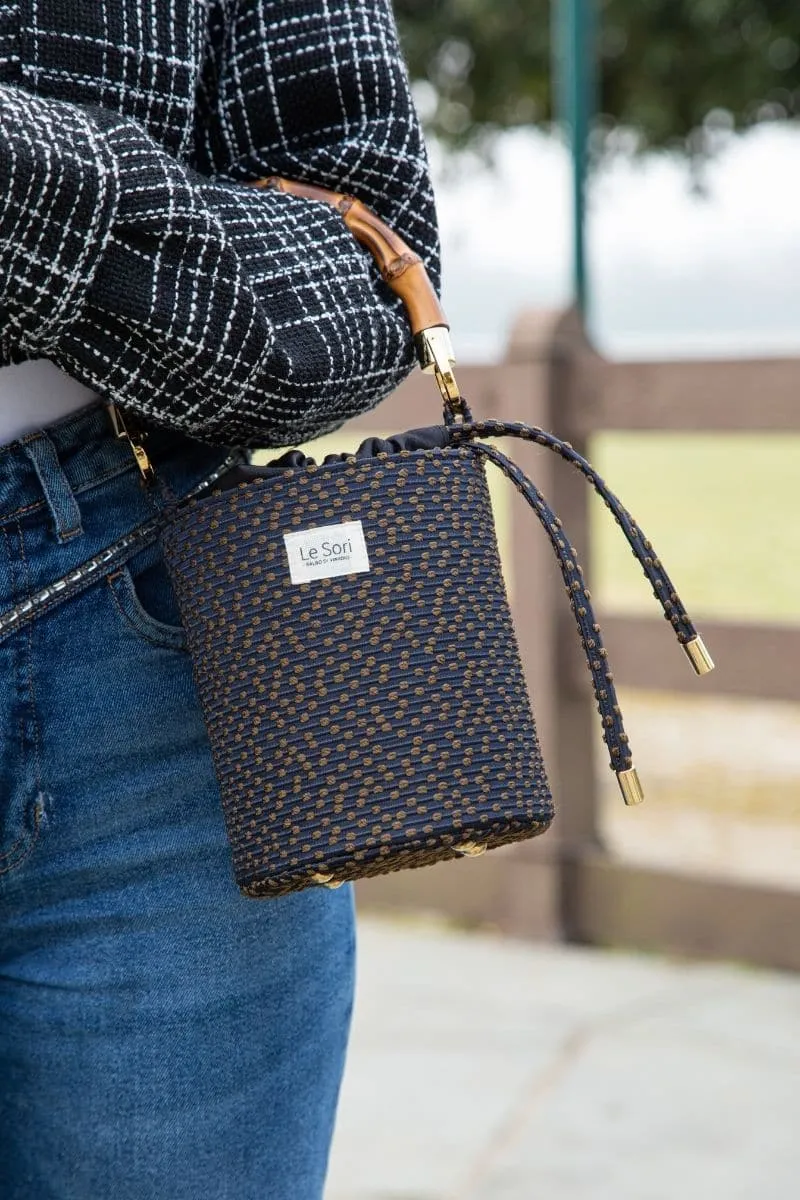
point(671, 273)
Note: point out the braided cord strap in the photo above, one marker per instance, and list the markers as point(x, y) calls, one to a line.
point(663, 588)
point(614, 735)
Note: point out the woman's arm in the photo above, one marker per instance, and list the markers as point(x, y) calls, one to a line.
point(233, 313)
point(317, 91)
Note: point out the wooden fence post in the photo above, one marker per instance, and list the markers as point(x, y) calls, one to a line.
point(566, 374)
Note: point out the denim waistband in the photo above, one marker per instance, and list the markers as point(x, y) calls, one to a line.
point(73, 505)
point(87, 452)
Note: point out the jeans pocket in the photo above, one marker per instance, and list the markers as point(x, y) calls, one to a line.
point(145, 599)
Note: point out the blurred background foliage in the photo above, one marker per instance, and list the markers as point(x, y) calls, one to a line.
point(672, 73)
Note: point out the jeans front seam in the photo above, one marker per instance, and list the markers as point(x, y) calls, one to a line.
point(25, 845)
point(27, 723)
point(37, 759)
point(13, 563)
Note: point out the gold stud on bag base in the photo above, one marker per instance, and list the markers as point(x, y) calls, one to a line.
point(338, 826)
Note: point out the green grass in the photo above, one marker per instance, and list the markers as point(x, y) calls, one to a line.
point(722, 512)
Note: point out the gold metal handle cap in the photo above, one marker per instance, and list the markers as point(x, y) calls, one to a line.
point(698, 656)
point(630, 786)
point(436, 357)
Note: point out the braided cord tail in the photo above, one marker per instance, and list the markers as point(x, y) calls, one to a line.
point(663, 588)
point(591, 638)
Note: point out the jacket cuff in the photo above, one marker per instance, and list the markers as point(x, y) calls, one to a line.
point(60, 186)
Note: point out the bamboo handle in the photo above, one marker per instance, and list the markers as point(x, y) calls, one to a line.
point(400, 267)
point(402, 270)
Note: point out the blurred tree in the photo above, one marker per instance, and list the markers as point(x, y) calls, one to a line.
point(677, 72)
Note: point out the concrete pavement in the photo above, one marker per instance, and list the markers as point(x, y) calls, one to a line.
point(487, 1069)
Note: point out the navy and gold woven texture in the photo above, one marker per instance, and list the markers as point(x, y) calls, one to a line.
point(368, 722)
point(356, 661)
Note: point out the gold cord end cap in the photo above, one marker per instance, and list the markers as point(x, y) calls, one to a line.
point(698, 656)
point(630, 786)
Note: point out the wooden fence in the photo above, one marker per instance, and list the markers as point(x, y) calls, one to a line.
point(566, 884)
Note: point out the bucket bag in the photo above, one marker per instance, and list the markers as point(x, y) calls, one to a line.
point(352, 642)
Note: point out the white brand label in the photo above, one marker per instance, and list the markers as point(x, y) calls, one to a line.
point(327, 551)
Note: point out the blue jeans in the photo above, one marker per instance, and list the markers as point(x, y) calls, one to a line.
point(160, 1036)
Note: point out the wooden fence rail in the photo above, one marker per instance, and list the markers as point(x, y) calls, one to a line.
point(567, 884)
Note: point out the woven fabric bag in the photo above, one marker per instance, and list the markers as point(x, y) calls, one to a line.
point(352, 642)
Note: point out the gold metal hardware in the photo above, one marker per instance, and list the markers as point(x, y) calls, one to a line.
point(137, 449)
point(142, 461)
point(471, 849)
point(630, 786)
point(436, 357)
point(698, 656)
point(326, 880)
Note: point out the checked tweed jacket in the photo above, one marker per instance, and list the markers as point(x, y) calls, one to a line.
point(133, 256)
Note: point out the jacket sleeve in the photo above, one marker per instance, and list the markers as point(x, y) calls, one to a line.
point(235, 314)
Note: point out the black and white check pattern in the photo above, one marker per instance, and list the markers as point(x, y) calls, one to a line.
point(133, 257)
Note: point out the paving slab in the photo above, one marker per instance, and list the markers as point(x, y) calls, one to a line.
point(487, 1069)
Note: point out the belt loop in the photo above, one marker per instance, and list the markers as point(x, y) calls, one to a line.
point(55, 485)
